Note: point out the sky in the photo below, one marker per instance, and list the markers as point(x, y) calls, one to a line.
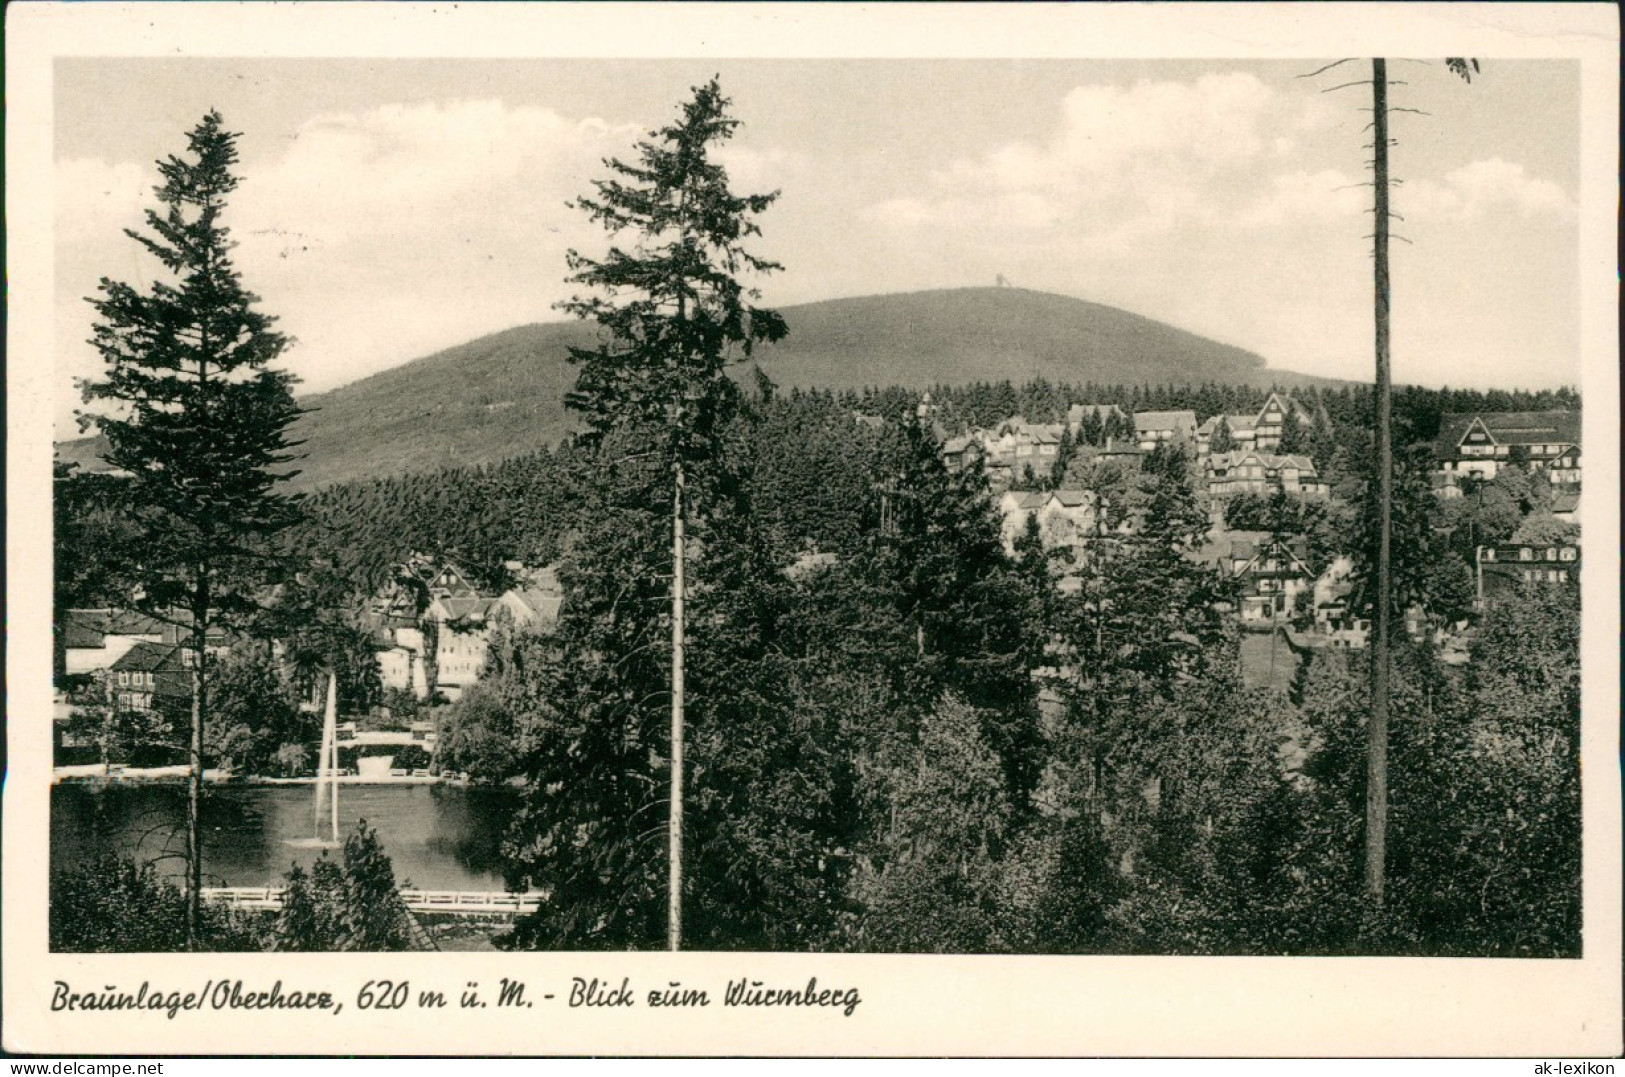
point(391, 208)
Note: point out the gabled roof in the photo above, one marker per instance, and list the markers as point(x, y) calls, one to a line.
point(1250, 552)
point(1025, 500)
point(79, 631)
point(1076, 412)
point(1236, 424)
point(1235, 458)
point(534, 605)
point(136, 623)
point(1164, 420)
point(453, 581)
point(1019, 427)
point(150, 657)
point(1072, 498)
point(1565, 501)
point(1220, 544)
point(1557, 427)
point(90, 628)
point(1287, 404)
point(460, 609)
point(1223, 461)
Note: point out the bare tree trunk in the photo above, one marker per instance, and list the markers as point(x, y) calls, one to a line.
point(674, 914)
point(1376, 809)
point(194, 784)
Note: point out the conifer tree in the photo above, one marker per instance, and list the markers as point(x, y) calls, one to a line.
point(1295, 435)
point(585, 702)
point(198, 419)
point(675, 314)
point(939, 557)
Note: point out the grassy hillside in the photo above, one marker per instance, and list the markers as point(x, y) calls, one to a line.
point(503, 394)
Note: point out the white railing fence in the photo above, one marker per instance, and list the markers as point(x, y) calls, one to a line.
point(471, 901)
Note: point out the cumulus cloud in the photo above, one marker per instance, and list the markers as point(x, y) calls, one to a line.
point(427, 224)
point(1485, 187)
point(1124, 162)
point(354, 174)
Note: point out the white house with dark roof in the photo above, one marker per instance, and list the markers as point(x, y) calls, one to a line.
point(149, 675)
point(95, 639)
point(1249, 471)
point(1153, 428)
point(1066, 518)
point(426, 592)
point(1563, 470)
point(1479, 444)
point(1008, 449)
point(461, 617)
point(1271, 574)
point(1264, 429)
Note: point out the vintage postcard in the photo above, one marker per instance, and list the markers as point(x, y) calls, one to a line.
point(812, 529)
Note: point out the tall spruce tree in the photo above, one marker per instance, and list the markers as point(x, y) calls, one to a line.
point(198, 419)
point(938, 557)
point(585, 702)
point(675, 314)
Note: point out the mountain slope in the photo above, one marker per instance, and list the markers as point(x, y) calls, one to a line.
point(503, 394)
point(964, 335)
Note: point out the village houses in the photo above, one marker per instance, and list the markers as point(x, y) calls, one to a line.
point(132, 659)
point(1013, 447)
point(432, 620)
point(1103, 414)
point(1263, 429)
point(1066, 518)
point(1270, 574)
point(1153, 428)
point(1250, 471)
point(1505, 566)
point(1480, 444)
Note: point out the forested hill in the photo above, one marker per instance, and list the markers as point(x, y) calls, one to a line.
point(502, 395)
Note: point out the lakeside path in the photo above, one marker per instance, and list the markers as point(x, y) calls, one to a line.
point(91, 773)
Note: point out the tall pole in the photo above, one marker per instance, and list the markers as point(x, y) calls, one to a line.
point(330, 738)
point(1376, 802)
point(674, 909)
point(194, 779)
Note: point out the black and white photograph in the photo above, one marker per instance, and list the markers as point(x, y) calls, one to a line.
point(805, 507)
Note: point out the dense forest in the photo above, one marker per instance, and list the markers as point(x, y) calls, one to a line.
point(526, 508)
point(917, 742)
